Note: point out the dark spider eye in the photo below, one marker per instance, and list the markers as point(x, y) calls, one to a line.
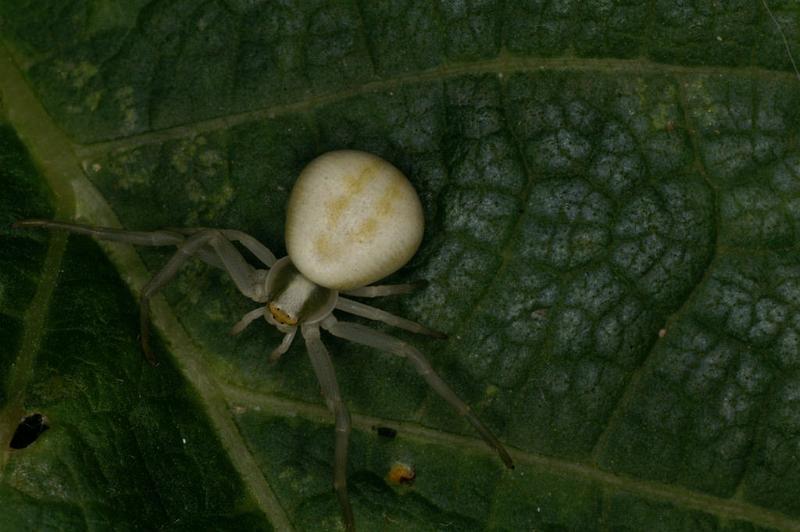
point(28, 431)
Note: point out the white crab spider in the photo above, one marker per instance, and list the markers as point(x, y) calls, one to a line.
point(353, 218)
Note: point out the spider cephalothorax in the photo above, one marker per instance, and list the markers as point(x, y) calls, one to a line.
point(352, 219)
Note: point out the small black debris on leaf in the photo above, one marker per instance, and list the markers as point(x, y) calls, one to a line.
point(28, 431)
point(386, 432)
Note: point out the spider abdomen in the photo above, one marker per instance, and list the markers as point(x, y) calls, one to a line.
point(352, 219)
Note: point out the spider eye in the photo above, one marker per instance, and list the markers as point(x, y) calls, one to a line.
point(281, 316)
point(293, 299)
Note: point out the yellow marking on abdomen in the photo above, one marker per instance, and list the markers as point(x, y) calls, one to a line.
point(365, 230)
point(325, 249)
point(385, 205)
point(336, 208)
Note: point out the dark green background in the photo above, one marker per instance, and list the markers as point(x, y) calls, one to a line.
point(612, 196)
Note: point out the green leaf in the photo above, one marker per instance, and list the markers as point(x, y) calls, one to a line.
point(612, 196)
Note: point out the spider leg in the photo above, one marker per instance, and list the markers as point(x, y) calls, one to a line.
point(255, 247)
point(323, 368)
point(366, 336)
point(385, 289)
point(288, 336)
point(210, 245)
point(247, 319)
point(162, 237)
point(284, 346)
point(372, 313)
point(241, 272)
point(139, 238)
point(238, 269)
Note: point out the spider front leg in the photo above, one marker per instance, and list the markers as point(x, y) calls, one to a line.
point(161, 237)
point(210, 245)
point(284, 346)
point(326, 375)
point(138, 238)
point(255, 247)
point(241, 273)
point(366, 336)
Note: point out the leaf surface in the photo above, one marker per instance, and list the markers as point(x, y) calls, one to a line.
point(612, 197)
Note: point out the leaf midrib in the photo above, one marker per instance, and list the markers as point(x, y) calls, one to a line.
point(55, 158)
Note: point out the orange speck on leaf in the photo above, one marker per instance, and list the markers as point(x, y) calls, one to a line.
point(401, 474)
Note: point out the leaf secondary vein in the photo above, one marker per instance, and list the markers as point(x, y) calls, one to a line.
point(502, 64)
point(22, 371)
point(718, 506)
point(632, 386)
